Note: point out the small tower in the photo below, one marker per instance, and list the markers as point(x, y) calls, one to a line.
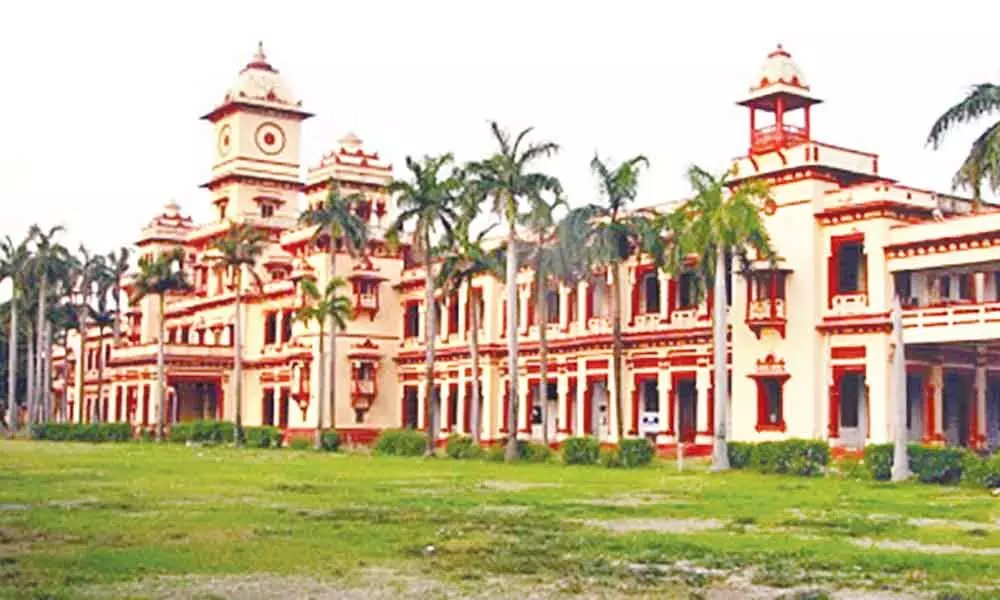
point(255, 171)
point(780, 90)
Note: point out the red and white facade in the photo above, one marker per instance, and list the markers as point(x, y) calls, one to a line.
point(810, 339)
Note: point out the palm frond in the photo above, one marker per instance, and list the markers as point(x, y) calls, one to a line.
point(982, 99)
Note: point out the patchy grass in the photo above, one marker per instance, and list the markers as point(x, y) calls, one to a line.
point(148, 521)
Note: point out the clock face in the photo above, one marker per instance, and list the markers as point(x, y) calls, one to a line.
point(225, 142)
point(270, 138)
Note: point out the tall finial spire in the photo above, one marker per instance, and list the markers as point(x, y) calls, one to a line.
point(260, 52)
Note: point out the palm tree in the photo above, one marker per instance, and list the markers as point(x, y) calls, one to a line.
point(428, 202)
point(158, 277)
point(239, 251)
point(319, 307)
point(83, 271)
point(337, 219)
point(14, 264)
point(541, 253)
point(720, 221)
point(118, 265)
point(63, 317)
point(103, 317)
point(505, 177)
point(466, 260)
point(982, 163)
point(615, 235)
point(49, 257)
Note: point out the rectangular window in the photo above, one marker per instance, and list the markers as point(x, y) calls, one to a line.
point(966, 286)
point(411, 406)
point(904, 287)
point(851, 265)
point(772, 402)
point(267, 407)
point(850, 400)
point(283, 407)
point(411, 320)
point(266, 210)
point(552, 306)
point(270, 327)
point(453, 314)
point(650, 396)
point(687, 291)
point(651, 293)
point(287, 319)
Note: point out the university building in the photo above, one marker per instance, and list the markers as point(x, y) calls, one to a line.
point(810, 336)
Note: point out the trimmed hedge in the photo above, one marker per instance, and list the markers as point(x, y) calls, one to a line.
point(330, 441)
point(213, 432)
point(80, 432)
point(637, 452)
point(401, 442)
point(801, 457)
point(610, 458)
point(581, 450)
point(262, 437)
point(300, 442)
point(929, 464)
point(981, 472)
point(462, 447)
point(534, 452)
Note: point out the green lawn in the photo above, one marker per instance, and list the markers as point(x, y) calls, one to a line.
point(81, 520)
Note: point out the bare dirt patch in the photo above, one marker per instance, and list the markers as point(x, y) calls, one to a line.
point(634, 501)
point(958, 524)
point(656, 525)
point(505, 509)
point(913, 546)
point(515, 486)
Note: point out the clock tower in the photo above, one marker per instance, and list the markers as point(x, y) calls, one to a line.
point(255, 165)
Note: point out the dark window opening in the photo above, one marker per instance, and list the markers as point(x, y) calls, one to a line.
point(650, 396)
point(772, 402)
point(283, 407)
point(851, 269)
point(287, 320)
point(267, 407)
point(270, 327)
point(850, 400)
point(687, 291)
point(651, 293)
point(552, 394)
point(453, 314)
point(411, 320)
point(410, 406)
point(552, 306)
point(266, 209)
point(903, 282)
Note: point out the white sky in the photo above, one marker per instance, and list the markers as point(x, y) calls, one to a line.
point(100, 101)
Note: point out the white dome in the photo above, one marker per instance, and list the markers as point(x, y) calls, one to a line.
point(261, 82)
point(780, 69)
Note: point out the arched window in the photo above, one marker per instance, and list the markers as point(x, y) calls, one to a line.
point(651, 293)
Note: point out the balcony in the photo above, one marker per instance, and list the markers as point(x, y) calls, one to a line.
point(684, 318)
point(850, 304)
point(147, 352)
point(599, 325)
point(551, 330)
point(364, 387)
point(952, 323)
point(766, 313)
point(770, 138)
point(648, 322)
point(368, 301)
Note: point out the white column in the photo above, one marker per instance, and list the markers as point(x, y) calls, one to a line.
point(664, 294)
point(460, 403)
point(492, 402)
point(563, 307)
point(421, 404)
point(663, 387)
point(979, 285)
point(703, 381)
point(613, 415)
point(562, 387)
point(937, 380)
point(463, 326)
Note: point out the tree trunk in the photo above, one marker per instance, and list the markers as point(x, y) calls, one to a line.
point(321, 389)
point(541, 316)
point(62, 417)
point(616, 355)
point(100, 377)
point(30, 351)
point(475, 408)
point(116, 328)
point(161, 375)
point(720, 454)
point(12, 364)
point(238, 362)
point(81, 328)
point(333, 338)
point(430, 326)
point(36, 399)
point(511, 450)
point(47, 375)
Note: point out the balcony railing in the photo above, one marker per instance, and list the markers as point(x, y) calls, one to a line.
point(599, 325)
point(648, 321)
point(184, 350)
point(761, 309)
point(368, 301)
point(951, 316)
point(684, 318)
point(771, 137)
point(850, 303)
point(364, 386)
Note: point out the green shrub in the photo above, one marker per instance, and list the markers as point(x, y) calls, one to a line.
point(300, 442)
point(401, 442)
point(533, 452)
point(462, 447)
point(740, 454)
point(636, 452)
point(262, 437)
point(795, 456)
point(581, 450)
point(210, 432)
point(936, 465)
point(610, 458)
point(878, 461)
point(80, 432)
point(495, 453)
point(330, 441)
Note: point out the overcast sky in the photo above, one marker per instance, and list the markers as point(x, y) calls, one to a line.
point(100, 101)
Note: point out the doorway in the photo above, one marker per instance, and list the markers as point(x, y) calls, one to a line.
point(853, 413)
point(956, 399)
point(687, 409)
